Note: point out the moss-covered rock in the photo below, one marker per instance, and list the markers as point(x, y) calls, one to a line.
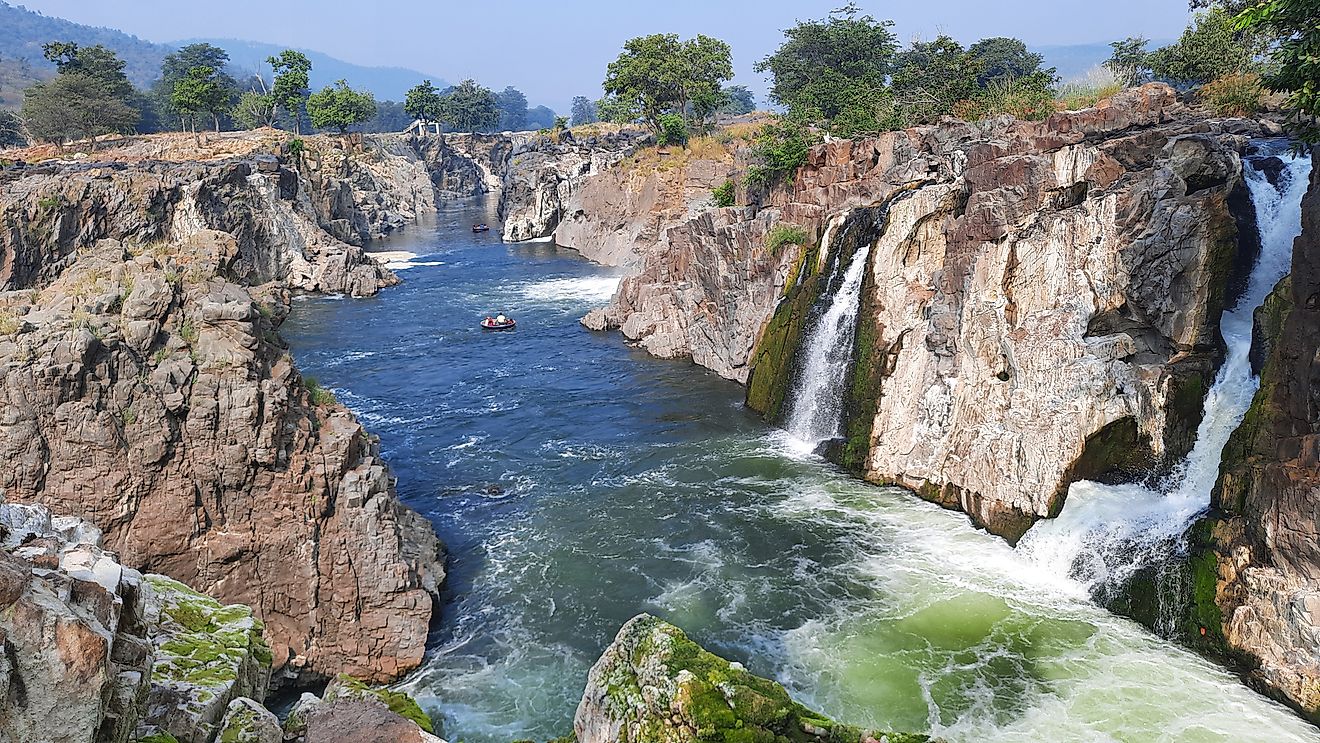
point(655, 685)
point(248, 722)
point(206, 656)
point(398, 702)
point(772, 362)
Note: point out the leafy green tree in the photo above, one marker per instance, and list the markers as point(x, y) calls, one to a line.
point(90, 96)
point(1004, 58)
point(424, 103)
point(930, 77)
point(583, 111)
point(201, 91)
point(1211, 47)
point(659, 73)
point(177, 65)
point(781, 147)
point(829, 64)
point(340, 107)
point(616, 110)
point(1294, 60)
point(738, 100)
point(469, 107)
point(290, 90)
point(254, 110)
point(513, 109)
point(1130, 62)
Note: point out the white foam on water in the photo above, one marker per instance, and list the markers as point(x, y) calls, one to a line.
point(405, 265)
point(597, 289)
point(1106, 533)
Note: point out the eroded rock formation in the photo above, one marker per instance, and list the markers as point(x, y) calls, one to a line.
point(1261, 596)
point(1040, 305)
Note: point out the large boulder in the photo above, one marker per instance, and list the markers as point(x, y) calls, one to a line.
point(654, 685)
point(350, 711)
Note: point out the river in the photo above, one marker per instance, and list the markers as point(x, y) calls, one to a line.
point(578, 482)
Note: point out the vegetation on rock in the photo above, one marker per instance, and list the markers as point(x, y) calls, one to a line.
point(660, 74)
point(340, 107)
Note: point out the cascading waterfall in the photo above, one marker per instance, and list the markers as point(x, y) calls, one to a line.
point(817, 405)
point(1106, 533)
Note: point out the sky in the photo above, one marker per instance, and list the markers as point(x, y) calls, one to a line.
point(554, 50)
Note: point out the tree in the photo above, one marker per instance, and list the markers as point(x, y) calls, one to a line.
point(340, 107)
point(738, 101)
point(291, 83)
point(201, 91)
point(1130, 62)
point(1212, 46)
point(90, 96)
point(1294, 60)
point(616, 110)
point(659, 73)
point(825, 65)
point(469, 107)
point(75, 106)
point(177, 65)
point(583, 111)
point(254, 110)
point(424, 103)
point(1003, 58)
point(513, 110)
point(930, 77)
point(540, 117)
point(11, 130)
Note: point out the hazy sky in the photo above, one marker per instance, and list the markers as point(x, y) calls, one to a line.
point(555, 50)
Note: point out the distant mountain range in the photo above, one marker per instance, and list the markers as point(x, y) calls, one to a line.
point(389, 83)
point(23, 31)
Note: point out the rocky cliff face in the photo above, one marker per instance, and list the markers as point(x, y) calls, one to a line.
point(655, 685)
point(1040, 304)
point(146, 390)
point(625, 212)
point(1262, 588)
point(542, 175)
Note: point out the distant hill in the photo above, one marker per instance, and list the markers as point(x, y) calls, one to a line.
point(23, 31)
point(388, 83)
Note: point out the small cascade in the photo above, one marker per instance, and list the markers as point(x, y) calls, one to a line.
point(816, 409)
point(1106, 534)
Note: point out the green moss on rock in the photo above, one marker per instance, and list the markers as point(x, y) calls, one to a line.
point(694, 696)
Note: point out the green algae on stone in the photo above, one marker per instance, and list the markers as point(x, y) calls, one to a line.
point(655, 685)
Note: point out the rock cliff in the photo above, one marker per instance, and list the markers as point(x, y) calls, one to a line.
point(1040, 304)
point(1259, 593)
point(654, 685)
point(625, 212)
point(146, 389)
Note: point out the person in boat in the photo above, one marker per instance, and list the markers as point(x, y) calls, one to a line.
point(489, 320)
point(501, 319)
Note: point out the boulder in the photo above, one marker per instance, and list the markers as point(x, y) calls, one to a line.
point(654, 685)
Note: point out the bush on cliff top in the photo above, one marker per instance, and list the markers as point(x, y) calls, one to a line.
point(724, 195)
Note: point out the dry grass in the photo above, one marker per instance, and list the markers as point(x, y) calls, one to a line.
point(1234, 95)
point(1086, 91)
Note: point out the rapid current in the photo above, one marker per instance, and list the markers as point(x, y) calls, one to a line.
point(578, 482)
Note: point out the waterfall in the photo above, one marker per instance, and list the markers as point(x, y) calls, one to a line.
point(816, 410)
point(1106, 533)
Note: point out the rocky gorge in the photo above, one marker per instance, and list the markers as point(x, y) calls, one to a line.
point(1036, 304)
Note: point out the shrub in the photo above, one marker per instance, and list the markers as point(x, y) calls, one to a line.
point(784, 234)
point(673, 130)
point(781, 148)
point(1097, 84)
point(320, 395)
point(1027, 98)
point(1234, 95)
point(295, 147)
point(724, 194)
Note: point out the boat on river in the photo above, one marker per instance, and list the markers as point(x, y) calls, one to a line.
point(481, 227)
point(499, 323)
